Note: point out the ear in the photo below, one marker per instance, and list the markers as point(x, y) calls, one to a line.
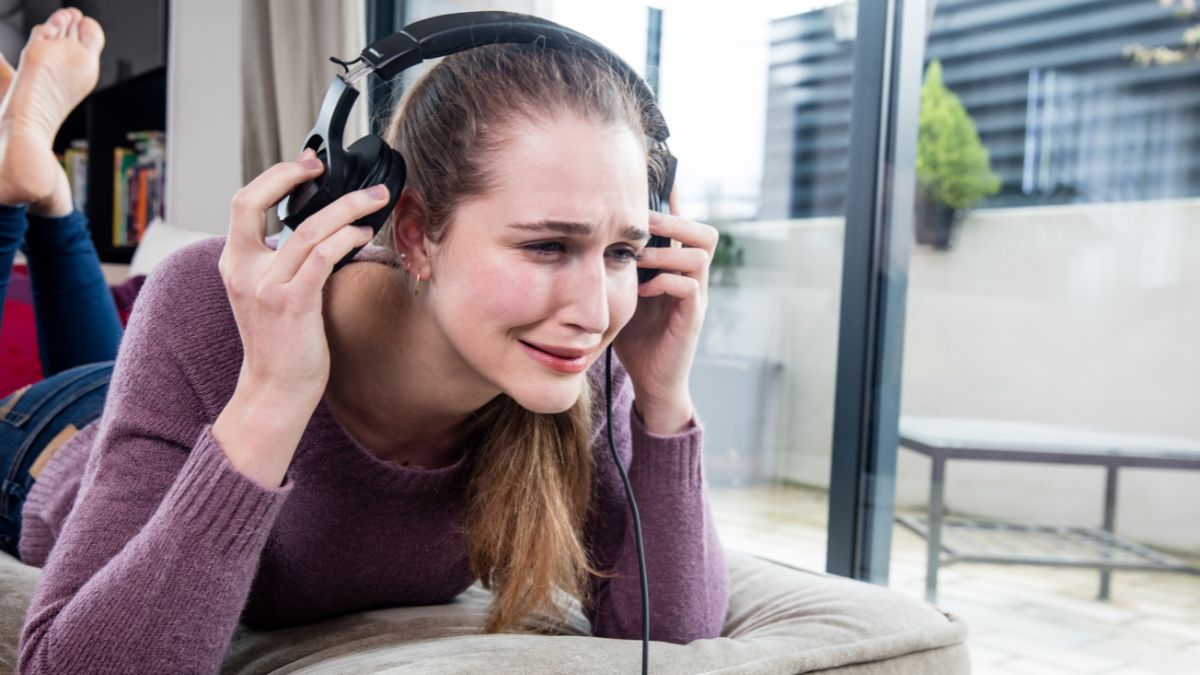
point(409, 231)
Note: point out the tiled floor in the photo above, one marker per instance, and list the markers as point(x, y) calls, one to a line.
point(1023, 620)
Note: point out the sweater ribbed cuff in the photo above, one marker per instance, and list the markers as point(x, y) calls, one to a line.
point(219, 508)
point(667, 461)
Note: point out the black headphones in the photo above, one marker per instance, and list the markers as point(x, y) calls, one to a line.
point(370, 160)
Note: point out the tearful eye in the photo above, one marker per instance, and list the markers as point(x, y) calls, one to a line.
point(622, 255)
point(626, 255)
point(545, 248)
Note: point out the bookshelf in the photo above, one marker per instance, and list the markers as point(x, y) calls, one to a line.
point(104, 119)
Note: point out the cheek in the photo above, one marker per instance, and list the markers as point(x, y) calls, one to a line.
point(622, 300)
point(502, 295)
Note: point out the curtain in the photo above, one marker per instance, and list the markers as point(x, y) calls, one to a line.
point(286, 45)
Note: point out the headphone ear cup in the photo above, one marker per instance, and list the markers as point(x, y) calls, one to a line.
point(373, 162)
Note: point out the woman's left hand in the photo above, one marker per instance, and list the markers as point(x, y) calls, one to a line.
point(658, 344)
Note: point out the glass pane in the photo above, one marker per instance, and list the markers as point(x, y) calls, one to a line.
point(745, 122)
point(741, 115)
point(1049, 424)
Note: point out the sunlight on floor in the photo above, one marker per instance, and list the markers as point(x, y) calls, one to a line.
point(1023, 620)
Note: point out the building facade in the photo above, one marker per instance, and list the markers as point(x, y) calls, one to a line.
point(1065, 112)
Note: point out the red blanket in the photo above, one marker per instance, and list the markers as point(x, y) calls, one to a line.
point(19, 364)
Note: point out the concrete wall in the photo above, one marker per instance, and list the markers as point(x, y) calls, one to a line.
point(1082, 316)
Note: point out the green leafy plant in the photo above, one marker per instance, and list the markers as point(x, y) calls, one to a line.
point(729, 255)
point(728, 252)
point(952, 164)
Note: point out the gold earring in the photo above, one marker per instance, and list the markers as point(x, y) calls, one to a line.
point(417, 288)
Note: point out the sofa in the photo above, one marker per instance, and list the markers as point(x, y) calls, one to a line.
point(780, 620)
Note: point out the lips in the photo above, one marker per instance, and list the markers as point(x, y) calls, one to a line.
point(561, 352)
point(555, 360)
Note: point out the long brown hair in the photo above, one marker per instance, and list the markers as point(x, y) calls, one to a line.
point(530, 479)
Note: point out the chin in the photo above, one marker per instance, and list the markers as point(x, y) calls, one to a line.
point(548, 399)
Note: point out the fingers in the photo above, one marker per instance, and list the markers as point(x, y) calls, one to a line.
point(318, 265)
point(315, 237)
point(675, 285)
point(687, 261)
point(247, 222)
point(699, 241)
point(687, 267)
point(688, 232)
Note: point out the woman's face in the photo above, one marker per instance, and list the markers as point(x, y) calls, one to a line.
point(545, 258)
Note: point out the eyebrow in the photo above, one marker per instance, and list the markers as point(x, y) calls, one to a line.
point(574, 229)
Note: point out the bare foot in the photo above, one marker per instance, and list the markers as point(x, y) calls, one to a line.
point(6, 76)
point(59, 66)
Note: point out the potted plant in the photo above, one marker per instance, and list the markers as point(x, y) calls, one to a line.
point(953, 169)
point(727, 257)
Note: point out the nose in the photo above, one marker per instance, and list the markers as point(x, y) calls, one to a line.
point(584, 296)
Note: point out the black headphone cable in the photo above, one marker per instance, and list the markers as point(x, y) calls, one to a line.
point(637, 523)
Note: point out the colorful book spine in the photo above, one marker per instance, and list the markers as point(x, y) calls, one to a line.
point(119, 202)
point(75, 162)
point(138, 186)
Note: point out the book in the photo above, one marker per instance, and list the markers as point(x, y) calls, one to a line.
point(123, 159)
point(138, 186)
point(75, 164)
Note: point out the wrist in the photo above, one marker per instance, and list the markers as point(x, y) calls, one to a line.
point(664, 417)
point(259, 435)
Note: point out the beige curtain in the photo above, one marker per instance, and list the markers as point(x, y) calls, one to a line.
point(286, 45)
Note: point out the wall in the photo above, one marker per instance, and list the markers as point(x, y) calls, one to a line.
point(204, 113)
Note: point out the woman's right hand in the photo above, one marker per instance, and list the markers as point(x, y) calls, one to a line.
point(276, 296)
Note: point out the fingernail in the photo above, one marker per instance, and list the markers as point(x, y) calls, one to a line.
point(365, 229)
point(305, 154)
point(656, 218)
point(377, 191)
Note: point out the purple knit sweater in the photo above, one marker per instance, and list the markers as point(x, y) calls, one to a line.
point(154, 547)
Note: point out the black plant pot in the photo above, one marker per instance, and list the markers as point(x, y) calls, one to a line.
point(934, 221)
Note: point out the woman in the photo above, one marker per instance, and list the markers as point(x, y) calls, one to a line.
point(281, 446)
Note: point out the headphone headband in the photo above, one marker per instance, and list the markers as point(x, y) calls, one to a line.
point(442, 35)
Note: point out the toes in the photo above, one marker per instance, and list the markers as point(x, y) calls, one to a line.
point(43, 31)
point(55, 26)
point(72, 32)
point(90, 34)
point(60, 19)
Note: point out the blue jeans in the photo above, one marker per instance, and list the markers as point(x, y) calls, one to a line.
point(77, 319)
point(31, 421)
point(78, 330)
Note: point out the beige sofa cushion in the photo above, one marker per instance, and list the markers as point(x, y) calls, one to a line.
point(780, 620)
